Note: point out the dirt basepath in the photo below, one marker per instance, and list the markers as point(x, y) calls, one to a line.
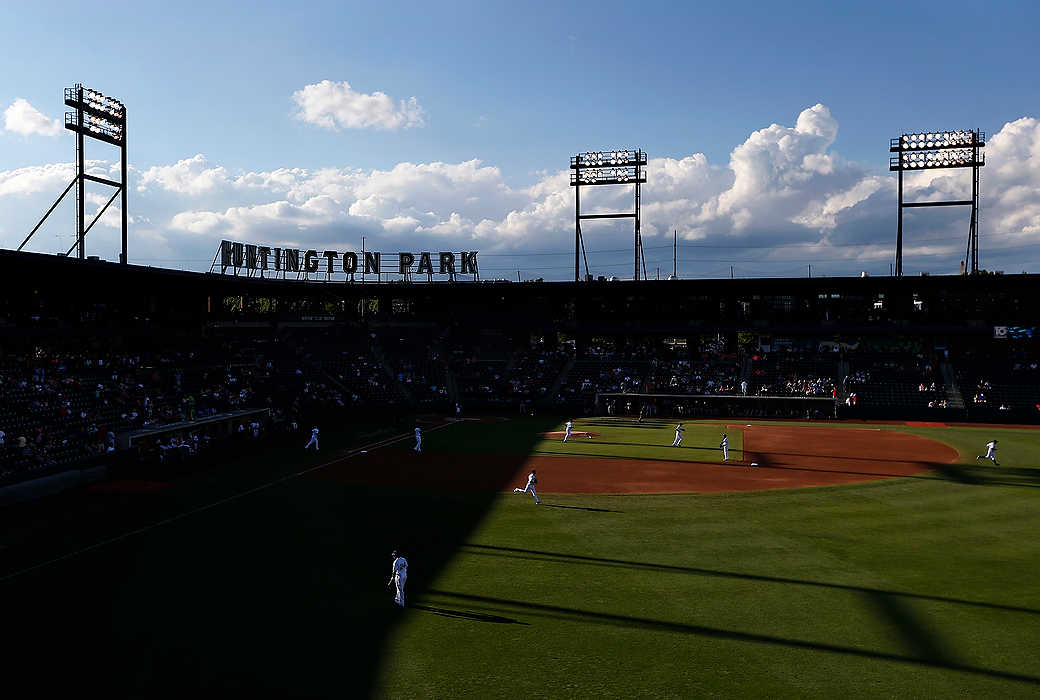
point(786, 457)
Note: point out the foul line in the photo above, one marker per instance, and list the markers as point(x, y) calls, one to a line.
point(234, 497)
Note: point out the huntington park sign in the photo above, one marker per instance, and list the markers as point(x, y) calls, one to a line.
point(257, 260)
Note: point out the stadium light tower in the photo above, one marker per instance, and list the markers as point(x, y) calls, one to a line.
point(935, 150)
point(619, 167)
point(101, 118)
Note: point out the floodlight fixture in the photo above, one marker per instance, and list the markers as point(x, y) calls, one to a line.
point(606, 176)
point(931, 150)
point(101, 118)
point(953, 158)
point(618, 166)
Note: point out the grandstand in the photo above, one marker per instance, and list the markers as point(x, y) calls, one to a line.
point(83, 362)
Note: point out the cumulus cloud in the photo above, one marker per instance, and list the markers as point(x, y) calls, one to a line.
point(190, 176)
point(22, 118)
point(51, 178)
point(785, 197)
point(339, 106)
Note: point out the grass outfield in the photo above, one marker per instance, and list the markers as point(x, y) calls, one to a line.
point(907, 587)
point(916, 587)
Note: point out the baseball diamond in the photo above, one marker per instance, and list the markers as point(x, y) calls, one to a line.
point(277, 428)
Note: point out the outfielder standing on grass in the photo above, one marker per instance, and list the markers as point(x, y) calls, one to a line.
point(991, 453)
point(418, 440)
point(725, 447)
point(398, 576)
point(531, 481)
point(678, 435)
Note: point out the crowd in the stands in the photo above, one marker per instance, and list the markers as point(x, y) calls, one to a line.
point(62, 405)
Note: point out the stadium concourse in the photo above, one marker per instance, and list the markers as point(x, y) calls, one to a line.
point(91, 351)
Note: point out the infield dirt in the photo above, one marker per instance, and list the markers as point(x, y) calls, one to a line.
point(786, 457)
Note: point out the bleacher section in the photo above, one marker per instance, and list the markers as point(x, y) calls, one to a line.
point(903, 381)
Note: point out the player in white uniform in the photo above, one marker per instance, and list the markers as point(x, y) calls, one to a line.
point(678, 435)
point(418, 440)
point(531, 481)
point(398, 577)
point(991, 453)
point(314, 440)
point(567, 432)
point(725, 447)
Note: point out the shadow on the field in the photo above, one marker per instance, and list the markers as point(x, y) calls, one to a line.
point(138, 594)
point(539, 555)
point(964, 474)
point(915, 630)
point(594, 510)
point(589, 616)
point(984, 475)
point(467, 615)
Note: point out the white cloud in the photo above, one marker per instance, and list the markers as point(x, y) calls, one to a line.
point(339, 106)
point(51, 178)
point(191, 176)
point(36, 178)
point(22, 118)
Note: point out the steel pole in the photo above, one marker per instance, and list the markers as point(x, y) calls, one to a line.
point(899, 226)
point(577, 219)
point(79, 174)
point(122, 256)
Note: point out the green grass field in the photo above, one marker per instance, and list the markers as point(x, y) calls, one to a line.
point(915, 587)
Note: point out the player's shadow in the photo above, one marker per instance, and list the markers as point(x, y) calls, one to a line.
point(468, 615)
point(594, 510)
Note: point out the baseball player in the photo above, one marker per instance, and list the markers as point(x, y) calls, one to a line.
point(725, 447)
point(398, 576)
point(418, 440)
point(567, 430)
point(313, 440)
point(458, 412)
point(678, 435)
point(531, 481)
point(991, 453)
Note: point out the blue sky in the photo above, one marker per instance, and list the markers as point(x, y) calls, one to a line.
point(519, 87)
